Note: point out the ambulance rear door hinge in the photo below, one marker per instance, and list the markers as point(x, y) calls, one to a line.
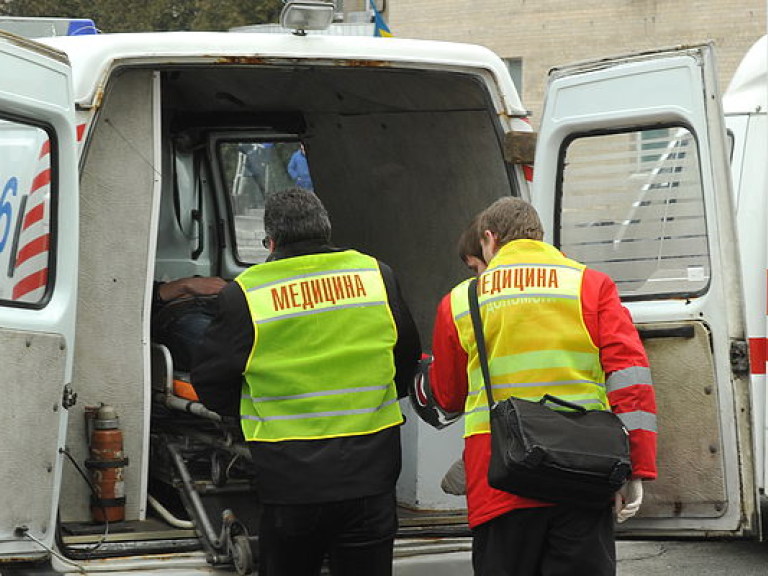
point(68, 397)
point(739, 357)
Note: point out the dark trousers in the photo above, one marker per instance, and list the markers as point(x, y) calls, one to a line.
point(552, 541)
point(356, 536)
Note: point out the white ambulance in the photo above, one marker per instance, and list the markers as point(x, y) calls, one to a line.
point(134, 158)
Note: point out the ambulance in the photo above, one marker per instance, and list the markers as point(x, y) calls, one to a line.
point(131, 159)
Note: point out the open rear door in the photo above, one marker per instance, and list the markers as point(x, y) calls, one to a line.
point(38, 273)
point(632, 178)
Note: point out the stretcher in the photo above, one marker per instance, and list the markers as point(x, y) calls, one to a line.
point(199, 460)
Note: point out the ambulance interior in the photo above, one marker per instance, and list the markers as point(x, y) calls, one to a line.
point(177, 164)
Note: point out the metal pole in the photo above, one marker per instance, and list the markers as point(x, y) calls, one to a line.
point(201, 516)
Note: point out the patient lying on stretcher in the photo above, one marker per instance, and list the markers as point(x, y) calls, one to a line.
point(181, 312)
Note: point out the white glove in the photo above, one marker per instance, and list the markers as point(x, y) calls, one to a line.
point(628, 500)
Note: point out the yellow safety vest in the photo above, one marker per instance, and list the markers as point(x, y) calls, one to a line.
point(530, 303)
point(322, 362)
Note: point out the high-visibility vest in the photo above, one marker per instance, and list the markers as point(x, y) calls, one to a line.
point(537, 342)
point(322, 362)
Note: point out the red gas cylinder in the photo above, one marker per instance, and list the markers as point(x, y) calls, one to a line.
point(106, 465)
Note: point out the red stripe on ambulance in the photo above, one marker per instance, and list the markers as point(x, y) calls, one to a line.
point(41, 180)
point(30, 283)
point(34, 248)
point(528, 172)
point(757, 355)
point(33, 216)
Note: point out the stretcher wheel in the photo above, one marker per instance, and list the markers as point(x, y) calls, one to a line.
point(242, 558)
point(218, 470)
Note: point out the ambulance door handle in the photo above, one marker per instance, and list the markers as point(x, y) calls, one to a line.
point(676, 332)
point(197, 218)
point(16, 236)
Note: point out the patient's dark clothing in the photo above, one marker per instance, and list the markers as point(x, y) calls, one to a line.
point(180, 325)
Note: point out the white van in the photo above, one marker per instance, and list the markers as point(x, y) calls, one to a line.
point(133, 158)
point(147, 156)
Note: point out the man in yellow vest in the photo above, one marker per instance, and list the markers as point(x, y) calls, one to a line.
point(551, 326)
point(315, 346)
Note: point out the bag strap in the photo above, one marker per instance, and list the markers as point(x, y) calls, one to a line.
point(477, 325)
point(482, 353)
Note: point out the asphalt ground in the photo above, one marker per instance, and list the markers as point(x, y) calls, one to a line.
point(692, 558)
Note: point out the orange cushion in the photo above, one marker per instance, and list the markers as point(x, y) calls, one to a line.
point(183, 389)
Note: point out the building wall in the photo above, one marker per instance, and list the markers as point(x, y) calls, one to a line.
point(546, 33)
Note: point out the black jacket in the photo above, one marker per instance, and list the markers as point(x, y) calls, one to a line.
point(304, 471)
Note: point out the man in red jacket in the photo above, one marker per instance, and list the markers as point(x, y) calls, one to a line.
point(582, 344)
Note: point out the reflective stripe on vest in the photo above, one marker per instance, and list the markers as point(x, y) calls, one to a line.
point(322, 363)
point(530, 302)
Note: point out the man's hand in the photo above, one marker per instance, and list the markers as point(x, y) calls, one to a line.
point(628, 500)
point(193, 286)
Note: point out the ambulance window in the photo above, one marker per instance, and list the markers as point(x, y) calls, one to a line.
point(251, 170)
point(632, 206)
point(25, 213)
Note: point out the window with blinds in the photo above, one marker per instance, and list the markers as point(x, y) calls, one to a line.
point(632, 206)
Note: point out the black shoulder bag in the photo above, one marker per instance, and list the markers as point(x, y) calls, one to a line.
point(576, 456)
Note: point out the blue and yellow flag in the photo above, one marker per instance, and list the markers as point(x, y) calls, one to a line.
point(380, 25)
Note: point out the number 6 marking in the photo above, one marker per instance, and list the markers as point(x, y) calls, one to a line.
point(6, 210)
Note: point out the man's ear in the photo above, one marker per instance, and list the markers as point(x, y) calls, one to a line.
point(490, 245)
point(492, 240)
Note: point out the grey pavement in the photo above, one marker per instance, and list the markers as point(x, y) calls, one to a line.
point(692, 558)
point(695, 557)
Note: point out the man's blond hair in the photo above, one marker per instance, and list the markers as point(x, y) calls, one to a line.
point(511, 219)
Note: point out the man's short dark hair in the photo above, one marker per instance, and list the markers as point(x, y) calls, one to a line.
point(295, 215)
